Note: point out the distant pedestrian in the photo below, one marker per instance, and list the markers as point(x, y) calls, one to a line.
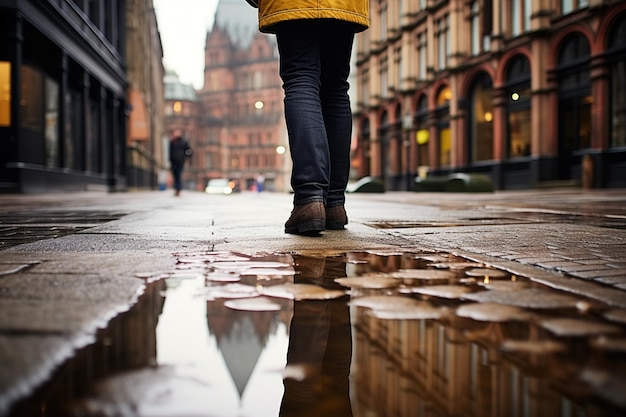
point(179, 152)
point(260, 182)
point(315, 44)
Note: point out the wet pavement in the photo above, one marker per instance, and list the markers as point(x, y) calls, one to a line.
point(143, 304)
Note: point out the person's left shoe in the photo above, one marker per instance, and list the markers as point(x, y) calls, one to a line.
point(307, 219)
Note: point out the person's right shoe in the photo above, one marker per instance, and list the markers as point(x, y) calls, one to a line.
point(307, 219)
point(336, 218)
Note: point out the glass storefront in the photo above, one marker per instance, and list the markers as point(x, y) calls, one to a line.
point(31, 99)
point(481, 120)
point(5, 94)
point(617, 50)
point(518, 107)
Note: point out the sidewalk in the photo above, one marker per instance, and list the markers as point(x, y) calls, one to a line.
point(72, 262)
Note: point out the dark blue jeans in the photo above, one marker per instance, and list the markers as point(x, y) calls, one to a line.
point(314, 68)
point(177, 173)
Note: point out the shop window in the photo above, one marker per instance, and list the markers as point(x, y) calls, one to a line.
point(52, 123)
point(575, 102)
point(481, 123)
point(31, 99)
point(617, 51)
point(443, 126)
point(5, 94)
point(575, 94)
point(422, 134)
point(518, 107)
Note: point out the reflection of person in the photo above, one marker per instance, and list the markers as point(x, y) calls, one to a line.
point(320, 344)
point(179, 152)
point(314, 45)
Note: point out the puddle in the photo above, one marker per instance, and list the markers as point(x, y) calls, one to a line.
point(362, 334)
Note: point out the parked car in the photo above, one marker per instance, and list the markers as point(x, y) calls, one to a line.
point(221, 186)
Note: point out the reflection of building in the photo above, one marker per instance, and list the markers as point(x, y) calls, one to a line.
point(527, 91)
point(237, 120)
point(423, 368)
point(64, 98)
point(242, 336)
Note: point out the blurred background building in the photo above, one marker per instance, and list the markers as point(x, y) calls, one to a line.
point(235, 122)
point(528, 92)
point(75, 93)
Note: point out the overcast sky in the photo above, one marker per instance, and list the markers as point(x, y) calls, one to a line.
point(183, 25)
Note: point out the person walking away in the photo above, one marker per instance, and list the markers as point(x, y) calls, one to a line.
point(314, 45)
point(179, 152)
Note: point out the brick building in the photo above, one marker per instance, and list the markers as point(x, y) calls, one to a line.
point(235, 121)
point(528, 92)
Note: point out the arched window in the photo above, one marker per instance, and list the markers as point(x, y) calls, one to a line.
point(422, 134)
point(444, 141)
point(481, 119)
point(574, 101)
point(518, 107)
point(617, 54)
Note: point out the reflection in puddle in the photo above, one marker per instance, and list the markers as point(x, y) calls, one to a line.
point(361, 334)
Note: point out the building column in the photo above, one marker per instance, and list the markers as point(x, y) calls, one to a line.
point(544, 113)
point(593, 173)
point(62, 132)
point(86, 140)
point(103, 141)
point(500, 139)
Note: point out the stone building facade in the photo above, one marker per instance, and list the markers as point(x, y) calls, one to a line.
point(66, 96)
point(528, 92)
point(235, 122)
point(146, 122)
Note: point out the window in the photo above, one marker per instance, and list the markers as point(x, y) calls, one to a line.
point(384, 82)
point(475, 28)
point(617, 52)
point(421, 56)
point(481, 123)
point(397, 58)
point(31, 99)
point(5, 94)
point(517, 15)
point(568, 6)
point(443, 42)
point(365, 92)
point(383, 21)
point(575, 101)
point(518, 107)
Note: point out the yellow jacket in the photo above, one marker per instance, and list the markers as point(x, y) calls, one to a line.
point(276, 11)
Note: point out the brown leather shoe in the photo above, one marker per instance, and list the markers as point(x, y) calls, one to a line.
point(336, 218)
point(307, 219)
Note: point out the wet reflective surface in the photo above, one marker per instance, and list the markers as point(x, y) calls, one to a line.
point(358, 334)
